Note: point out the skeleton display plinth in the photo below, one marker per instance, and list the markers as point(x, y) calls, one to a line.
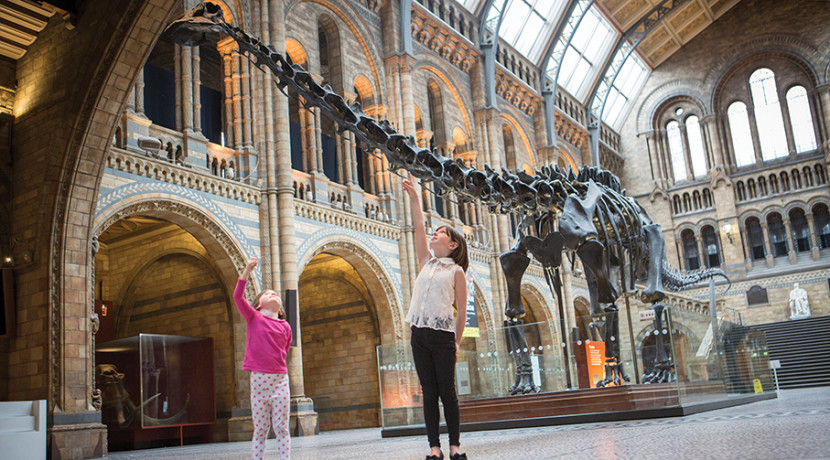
point(157, 390)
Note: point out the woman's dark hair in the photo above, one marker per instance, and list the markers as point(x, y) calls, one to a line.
point(257, 306)
point(459, 254)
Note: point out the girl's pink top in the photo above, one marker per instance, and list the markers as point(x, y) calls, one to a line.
point(268, 338)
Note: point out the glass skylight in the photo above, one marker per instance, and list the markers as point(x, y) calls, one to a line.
point(628, 83)
point(527, 25)
point(586, 53)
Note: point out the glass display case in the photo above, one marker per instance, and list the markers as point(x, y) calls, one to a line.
point(156, 390)
point(530, 371)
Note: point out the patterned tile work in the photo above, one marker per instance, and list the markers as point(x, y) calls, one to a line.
point(792, 426)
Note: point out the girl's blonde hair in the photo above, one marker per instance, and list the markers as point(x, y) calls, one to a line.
point(257, 306)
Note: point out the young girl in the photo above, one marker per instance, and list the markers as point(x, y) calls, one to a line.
point(269, 337)
point(436, 328)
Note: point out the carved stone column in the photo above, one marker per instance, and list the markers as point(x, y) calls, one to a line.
point(319, 179)
point(247, 156)
point(194, 148)
point(713, 140)
point(303, 417)
point(767, 244)
point(824, 99)
point(356, 200)
point(186, 87)
point(788, 229)
point(815, 249)
point(225, 48)
point(196, 62)
point(135, 124)
point(701, 250)
point(681, 256)
point(743, 233)
point(139, 93)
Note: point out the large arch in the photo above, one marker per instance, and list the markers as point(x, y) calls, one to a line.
point(81, 170)
point(518, 128)
point(227, 254)
point(359, 30)
point(362, 258)
point(451, 85)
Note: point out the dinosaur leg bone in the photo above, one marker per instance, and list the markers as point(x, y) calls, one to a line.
point(654, 292)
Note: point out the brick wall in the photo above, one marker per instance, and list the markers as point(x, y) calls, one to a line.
point(165, 285)
point(339, 338)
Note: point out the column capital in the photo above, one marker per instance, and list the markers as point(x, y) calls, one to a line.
point(227, 46)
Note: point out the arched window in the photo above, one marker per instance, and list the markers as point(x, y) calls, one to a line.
point(211, 94)
point(741, 189)
point(295, 134)
point(756, 238)
point(687, 202)
point(328, 41)
point(822, 219)
point(677, 206)
point(778, 235)
point(160, 85)
point(750, 186)
point(821, 178)
point(801, 119)
point(741, 135)
point(710, 243)
point(785, 181)
point(773, 183)
point(801, 232)
point(690, 250)
point(808, 176)
point(707, 198)
point(768, 119)
point(696, 146)
point(678, 159)
point(762, 186)
point(796, 179)
point(696, 200)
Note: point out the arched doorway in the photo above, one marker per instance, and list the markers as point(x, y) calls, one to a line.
point(340, 334)
point(476, 374)
point(542, 340)
point(154, 277)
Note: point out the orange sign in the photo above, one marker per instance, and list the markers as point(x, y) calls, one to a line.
point(595, 354)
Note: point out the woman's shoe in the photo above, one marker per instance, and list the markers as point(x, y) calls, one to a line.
point(458, 457)
point(440, 457)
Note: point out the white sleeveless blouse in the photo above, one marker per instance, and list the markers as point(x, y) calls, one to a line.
point(433, 296)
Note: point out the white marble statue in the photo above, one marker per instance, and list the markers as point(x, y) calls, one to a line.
point(799, 306)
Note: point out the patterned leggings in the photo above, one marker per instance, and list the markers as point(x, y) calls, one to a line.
point(270, 398)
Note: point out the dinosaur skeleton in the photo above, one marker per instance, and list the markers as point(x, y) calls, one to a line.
point(586, 213)
point(117, 402)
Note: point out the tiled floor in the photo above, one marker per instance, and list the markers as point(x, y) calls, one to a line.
point(796, 425)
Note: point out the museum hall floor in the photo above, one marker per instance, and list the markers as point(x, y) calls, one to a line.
point(793, 426)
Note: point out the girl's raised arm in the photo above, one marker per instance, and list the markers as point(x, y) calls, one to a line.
point(421, 245)
point(245, 309)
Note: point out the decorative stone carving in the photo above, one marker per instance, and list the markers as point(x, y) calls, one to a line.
point(517, 92)
point(570, 131)
point(445, 41)
point(6, 100)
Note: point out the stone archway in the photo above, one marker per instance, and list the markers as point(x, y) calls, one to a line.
point(207, 248)
point(347, 308)
point(542, 338)
point(120, 40)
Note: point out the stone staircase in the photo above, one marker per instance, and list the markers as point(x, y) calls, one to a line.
point(803, 347)
point(23, 429)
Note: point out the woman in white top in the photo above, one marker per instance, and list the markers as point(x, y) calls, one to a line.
point(436, 328)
